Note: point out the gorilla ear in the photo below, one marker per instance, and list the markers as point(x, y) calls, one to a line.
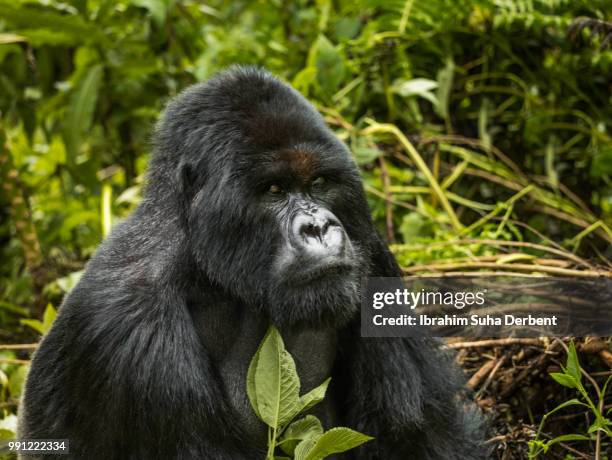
point(186, 188)
point(186, 179)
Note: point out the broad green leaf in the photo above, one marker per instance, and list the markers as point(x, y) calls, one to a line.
point(412, 226)
point(335, 441)
point(365, 154)
point(365, 150)
point(329, 62)
point(314, 396)
point(79, 115)
point(304, 80)
point(564, 379)
point(298, 431)
point(573, 365)
point(251, 391)
point(304, 447)
point(16, 381)
point(277, 385)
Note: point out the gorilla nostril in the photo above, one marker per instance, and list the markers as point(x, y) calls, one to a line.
point(311, 230)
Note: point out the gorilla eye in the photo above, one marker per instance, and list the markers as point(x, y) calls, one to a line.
point(275, 189)
point(319, 181)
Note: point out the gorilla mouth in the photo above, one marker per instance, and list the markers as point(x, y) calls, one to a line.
point(326, 271)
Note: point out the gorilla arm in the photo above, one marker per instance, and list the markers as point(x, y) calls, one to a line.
point(123, 374)
point(404, 391)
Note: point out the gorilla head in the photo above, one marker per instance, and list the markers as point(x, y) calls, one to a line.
point(271, 199)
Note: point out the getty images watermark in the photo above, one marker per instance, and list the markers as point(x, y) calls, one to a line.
point(486, 307)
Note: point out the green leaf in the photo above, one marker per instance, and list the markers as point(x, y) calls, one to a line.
point(13, 308)
point(42, 326)
point(44, 26)
point(69, 281)
point(564, 379)
point(600, 424)
point(601, 166)
point(568, 437)
point(79, 115)
point(8, 424)
point(445, 86)
point(48, 318)
point(412, 226)
point(299, 430)
point(421, 87)
point(329, 63)
point(302, 449)
point(571, 402)
point(573, 365)
point(314, 396)
point(34, 324)
point(305, 79)
point(158, 9)
point(251, 391)
point(16, 381)
point(365, 150)
point(276, 383)
point(331, 442)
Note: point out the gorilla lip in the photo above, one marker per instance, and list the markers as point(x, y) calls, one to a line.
point(327, 270)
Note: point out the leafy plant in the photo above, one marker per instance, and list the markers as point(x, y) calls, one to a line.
point(571, 377)
point(273, 387)
point(42, 326)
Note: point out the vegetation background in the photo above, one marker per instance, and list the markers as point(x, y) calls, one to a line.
point(482, 129)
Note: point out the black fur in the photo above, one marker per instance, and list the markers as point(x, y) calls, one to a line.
point(148, 356)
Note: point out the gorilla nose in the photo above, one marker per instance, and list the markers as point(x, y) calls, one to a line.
point(319, 232)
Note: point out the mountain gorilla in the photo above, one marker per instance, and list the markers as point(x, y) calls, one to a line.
point(254, 213)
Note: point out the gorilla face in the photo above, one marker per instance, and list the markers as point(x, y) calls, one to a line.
point(312, 272)
point(275, 209)
point(276, 233)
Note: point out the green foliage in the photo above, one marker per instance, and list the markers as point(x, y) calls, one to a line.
point(273, 387)
point(42, 327)
point(571, 377)
point(505, 160)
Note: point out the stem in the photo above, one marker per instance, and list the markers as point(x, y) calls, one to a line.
point(271, 443)
point(420, 163)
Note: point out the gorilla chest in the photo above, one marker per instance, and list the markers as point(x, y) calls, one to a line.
point(231, 337)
